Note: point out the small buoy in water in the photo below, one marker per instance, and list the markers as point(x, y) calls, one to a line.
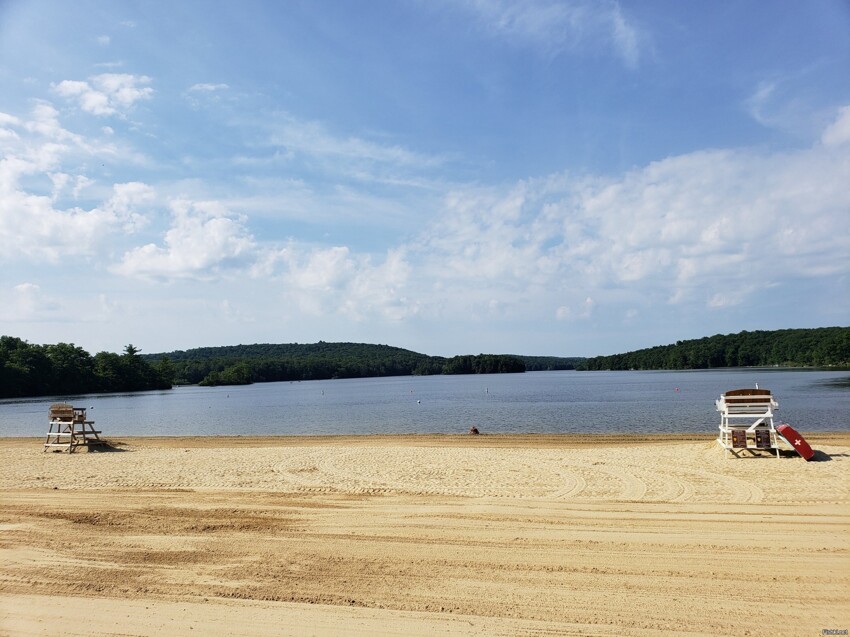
point(418, 402)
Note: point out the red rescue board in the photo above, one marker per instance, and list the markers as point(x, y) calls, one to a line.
point(795, 440)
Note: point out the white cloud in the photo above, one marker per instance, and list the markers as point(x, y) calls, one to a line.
point(583, 310)
point(104, 40)
point(482, 235)
point(109, 65)
point(789, 103)
point(26, 302)
point(64, 184)
point(204, 93)
point(727, 299)
point(313, 139)
point(32, 223)
point(354, 167)
point(204, 240)
point(127, 203)
point(332, 280)
point(45, 123)
point(382, 290)
point(625, 36)
point(31, 227)
point(81, 182)
point(208, 88)
point(557, 27)
point(709, 228)
point(759, 103)
point(107, 93)
point(6, 119)
point(90, 100)
point(838, 132)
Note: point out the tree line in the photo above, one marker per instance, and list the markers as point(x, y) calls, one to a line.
point(64, 369)
point(818, 347)
point(244, 364)
point(551, 363)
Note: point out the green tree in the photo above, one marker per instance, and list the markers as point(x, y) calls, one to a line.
point(109, 372)
point(165, 370)
point(73, 369)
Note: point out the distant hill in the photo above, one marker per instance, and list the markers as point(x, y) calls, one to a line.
point(242, 364)
point(293, 350)
point(818, 347)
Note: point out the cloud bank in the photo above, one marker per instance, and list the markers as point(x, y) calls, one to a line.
point(713, 229)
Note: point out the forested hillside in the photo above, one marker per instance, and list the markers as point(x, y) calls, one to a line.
point(242, 364)
point(819, 347)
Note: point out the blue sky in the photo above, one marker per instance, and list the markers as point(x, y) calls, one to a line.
point(559, 178)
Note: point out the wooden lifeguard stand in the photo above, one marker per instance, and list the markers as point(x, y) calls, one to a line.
point(69, 428)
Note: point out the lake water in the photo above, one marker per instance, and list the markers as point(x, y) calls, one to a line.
point(534, 402)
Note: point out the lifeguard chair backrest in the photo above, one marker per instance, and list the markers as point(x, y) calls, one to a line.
point(747, 396)
point(61, 411)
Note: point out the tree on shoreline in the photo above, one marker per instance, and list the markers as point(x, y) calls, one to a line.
point(64, 369)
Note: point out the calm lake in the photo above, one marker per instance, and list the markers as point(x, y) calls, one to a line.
point(541, 402)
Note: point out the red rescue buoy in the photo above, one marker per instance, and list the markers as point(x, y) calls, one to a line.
point(795, 440)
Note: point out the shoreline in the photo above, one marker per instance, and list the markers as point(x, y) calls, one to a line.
point(506, 440)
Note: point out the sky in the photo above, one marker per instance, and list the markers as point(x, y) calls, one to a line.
point(571, 178)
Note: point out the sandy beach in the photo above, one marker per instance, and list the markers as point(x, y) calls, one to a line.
point(423, 535)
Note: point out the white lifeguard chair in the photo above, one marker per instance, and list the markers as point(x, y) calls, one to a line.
point(70, 429)
point(746, 421)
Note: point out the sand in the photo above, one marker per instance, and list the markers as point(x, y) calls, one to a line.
point(423, 535)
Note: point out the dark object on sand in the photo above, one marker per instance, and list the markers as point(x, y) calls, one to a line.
point(474, 430)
